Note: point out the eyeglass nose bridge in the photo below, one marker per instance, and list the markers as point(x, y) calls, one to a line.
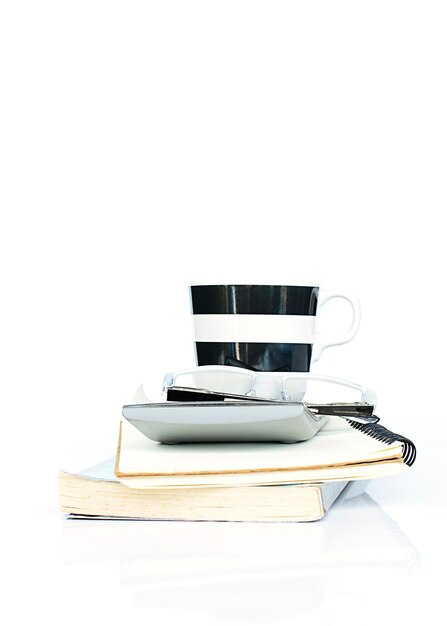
point(296, 376)
point(252, 391)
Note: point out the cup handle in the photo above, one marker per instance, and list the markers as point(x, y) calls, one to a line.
point(324, 297)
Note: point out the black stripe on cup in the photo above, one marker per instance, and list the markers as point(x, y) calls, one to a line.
point(266, 357)
point(254, 299)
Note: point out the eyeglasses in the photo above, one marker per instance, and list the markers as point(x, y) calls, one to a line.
point(293, 386)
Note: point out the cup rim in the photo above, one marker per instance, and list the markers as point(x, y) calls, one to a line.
point(302, 284)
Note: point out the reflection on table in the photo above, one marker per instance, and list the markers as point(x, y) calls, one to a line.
point(251, 571)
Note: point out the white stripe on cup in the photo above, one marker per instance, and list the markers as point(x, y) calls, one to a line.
point(255, 328)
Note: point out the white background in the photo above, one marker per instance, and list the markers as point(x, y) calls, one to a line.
point(148, 145)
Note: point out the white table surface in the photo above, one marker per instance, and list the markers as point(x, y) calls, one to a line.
point(377, 558)
point(146, 146)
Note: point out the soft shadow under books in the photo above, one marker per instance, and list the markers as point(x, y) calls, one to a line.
point(251, 571)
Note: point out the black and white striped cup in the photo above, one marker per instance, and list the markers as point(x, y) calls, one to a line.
point(262, 327)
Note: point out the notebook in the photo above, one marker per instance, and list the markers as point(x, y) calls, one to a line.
point(342, 450)
point(96, 492)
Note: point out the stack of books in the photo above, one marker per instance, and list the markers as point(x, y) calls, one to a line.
point(234, 481)
point(236, 438)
